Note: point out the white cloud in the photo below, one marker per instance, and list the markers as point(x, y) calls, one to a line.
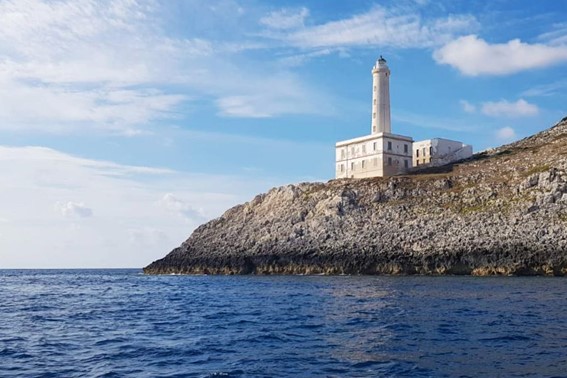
point(74, 209)
point(555, 88)
point(467, 106)
point(285, 18)
point(506, 134)
point(111, 66)
point(301, 58)
point(125, 216)
point(557, 35)
point(177, 206)
point(274, 96)
point(147, 236)
point(74, 64)
point(503, 108)
point(242, 106)
point(380, 27)
point(263, 106)
point(474, 56)
point(57, 109)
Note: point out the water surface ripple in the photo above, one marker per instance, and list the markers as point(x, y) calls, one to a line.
point(114, 323)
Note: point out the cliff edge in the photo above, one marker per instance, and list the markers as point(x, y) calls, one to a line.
point(504, 211)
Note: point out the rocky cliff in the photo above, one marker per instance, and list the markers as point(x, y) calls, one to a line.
point(502, 212)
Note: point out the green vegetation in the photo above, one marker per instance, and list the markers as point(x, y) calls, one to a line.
point(536, 169)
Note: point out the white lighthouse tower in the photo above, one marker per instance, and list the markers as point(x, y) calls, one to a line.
point(381, 97)
point(381, 153)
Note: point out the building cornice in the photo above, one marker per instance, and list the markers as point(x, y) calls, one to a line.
point(371, 137)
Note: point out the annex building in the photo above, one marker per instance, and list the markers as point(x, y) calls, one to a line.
point(383, 153)
point(438, 151)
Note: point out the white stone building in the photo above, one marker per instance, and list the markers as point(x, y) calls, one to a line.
point(437, 151)
point(381, 153)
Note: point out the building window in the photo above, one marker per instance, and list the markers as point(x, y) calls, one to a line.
point(417, 162)
point(430, 151)
point(374, 128)
point(423, 151)
point(342, 153)
point(389, 146)
point(374, 146)
point(363, 164)
point(373, 115)
point(374, 88)
point(405, 148)
point(406, 164)
point(389, 161)
point(352, 166)
point(416, 153)
point(374, 101)
point(352, 151)
point(342, 168)
point(364, 148)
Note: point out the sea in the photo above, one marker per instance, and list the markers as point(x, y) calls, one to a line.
point(121, 323)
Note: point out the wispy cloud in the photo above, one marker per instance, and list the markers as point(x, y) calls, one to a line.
point(88, 63)
point(81, 212)
point(467, 106)
point(505, 134)
point(504, 108)
point(273, 104)
point(430, 122)
point(557, 35)
point(298, 59)
point(379, 26)
point(550, 89)
point(74, 209)
point(113, 66)
point(53, 108)
point(285, 18)
point(474, 56)
point(176, 205)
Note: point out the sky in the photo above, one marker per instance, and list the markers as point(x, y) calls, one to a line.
point(125, 124)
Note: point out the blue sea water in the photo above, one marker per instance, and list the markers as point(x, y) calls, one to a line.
point(116, 323)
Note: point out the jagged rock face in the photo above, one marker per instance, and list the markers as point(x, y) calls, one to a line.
point(502, 212)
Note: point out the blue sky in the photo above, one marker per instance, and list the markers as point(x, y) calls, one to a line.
point(125, 124)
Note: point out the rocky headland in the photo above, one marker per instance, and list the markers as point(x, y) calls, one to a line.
point(502, 212)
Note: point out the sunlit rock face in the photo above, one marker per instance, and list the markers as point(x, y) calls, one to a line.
point(503, 211)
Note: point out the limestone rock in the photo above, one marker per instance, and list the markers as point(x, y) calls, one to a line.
point(502, 212)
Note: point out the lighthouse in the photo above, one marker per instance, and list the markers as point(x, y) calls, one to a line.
point(381, 153)
point(384, 154)
point(381, 97)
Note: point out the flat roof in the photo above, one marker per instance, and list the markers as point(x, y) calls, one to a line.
point(372, 137)
point(446, 140)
